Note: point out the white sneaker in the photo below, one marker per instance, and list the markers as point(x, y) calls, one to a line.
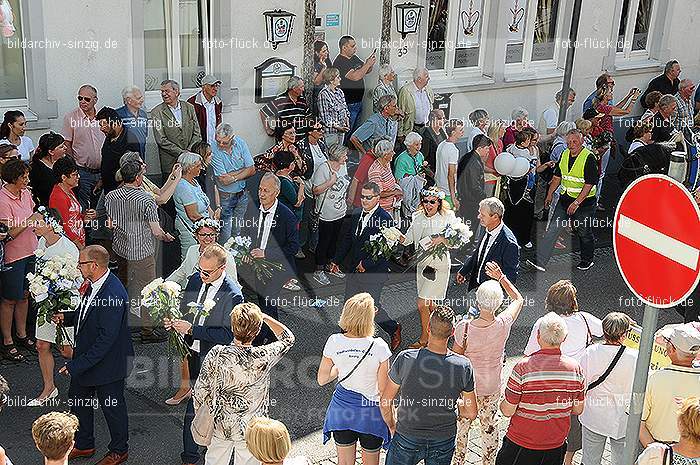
point(535, 265)
point(321, 278)
point(300, 255)
point(528, 245)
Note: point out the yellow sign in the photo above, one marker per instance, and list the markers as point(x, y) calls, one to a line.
point(659, 359)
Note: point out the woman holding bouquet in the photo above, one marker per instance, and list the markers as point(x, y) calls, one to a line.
point(432, 273)
point(52, 243)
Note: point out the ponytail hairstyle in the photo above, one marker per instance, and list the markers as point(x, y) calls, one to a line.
point(47, 142)
point(10, 117)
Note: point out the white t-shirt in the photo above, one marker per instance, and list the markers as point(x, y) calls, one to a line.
point(318, 156)
point(575, 343)
point(62, 247)
point(26, 145)
point(447, 154)
point(346, 352)
point(549, 119)
point(607, 404)
point(332, 202)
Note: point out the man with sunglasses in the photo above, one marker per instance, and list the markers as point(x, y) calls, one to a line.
point(203, 331)
point(366, 274)
point(84, 139)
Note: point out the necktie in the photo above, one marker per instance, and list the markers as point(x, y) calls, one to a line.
point(482, 255)
point(201, 299)
point(261, 230)
point(360, 224)
point(83, 305)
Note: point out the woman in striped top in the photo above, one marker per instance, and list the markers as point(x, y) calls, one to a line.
point(332, 108)
point(380, 173)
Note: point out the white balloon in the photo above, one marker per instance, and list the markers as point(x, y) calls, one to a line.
point(504, 163)
point(520, 167)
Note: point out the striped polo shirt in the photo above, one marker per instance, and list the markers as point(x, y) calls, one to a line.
point(284, 111)
point(131, 209)
point(543, 386)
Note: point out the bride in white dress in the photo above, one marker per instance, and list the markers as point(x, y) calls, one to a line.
point(52, 243)
point(432, 274)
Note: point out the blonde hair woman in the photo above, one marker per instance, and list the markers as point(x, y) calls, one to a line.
point(432, 274)
point(495, 133)
point(269, 442)
point(360, 362)
point(687, 450)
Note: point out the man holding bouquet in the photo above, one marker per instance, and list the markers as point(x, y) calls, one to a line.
point(367, 274)
point(207, 301)
point(102, 357)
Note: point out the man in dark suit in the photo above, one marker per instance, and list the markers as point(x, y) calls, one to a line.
point(102, 357)
point(204, 331)
point(273, 229)
point(367, 275)
point(497, 244)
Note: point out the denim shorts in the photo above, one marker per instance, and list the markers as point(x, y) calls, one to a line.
point(14, 279)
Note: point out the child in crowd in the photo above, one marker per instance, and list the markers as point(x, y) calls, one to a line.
point(53, 436)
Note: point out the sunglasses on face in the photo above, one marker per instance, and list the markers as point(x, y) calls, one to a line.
point(367, 197)
point(207, 273)
point(87, 99)
point(430, 202)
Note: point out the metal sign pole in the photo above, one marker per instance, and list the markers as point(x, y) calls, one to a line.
point(641, 373)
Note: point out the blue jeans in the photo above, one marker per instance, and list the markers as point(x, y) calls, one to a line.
point(232, 205)
point(87, 183)
point(355, 110)
point(603, 166)
point(406, 450)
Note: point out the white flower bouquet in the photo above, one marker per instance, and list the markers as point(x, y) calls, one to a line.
point(383, 244)
point(54, 288)
point(162, 300)
point(455, 235)
point(240, 247)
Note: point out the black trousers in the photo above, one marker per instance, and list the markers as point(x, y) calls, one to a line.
point(513, 454)
point(328, 233)
point(110, 398)
point(373, 285)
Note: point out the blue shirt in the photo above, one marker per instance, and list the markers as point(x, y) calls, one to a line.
point(138, 126)
point(375, 127)
point(188, 194)
point(223, 163)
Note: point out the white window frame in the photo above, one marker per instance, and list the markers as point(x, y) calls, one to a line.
point(528, 65)
point(627, 53)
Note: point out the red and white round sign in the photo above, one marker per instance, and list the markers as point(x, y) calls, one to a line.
point(656, 237)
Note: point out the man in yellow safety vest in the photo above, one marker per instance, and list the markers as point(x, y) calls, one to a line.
point(577, 173)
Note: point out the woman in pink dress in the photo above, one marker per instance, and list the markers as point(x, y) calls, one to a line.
point(483, 341)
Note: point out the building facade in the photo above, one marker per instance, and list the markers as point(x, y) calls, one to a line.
point(496, 54)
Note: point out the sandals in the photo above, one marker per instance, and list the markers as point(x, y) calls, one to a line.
point(26, 342)
point(10, 352)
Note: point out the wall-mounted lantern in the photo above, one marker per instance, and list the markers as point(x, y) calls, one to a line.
point(278, 26)
point(408, 18)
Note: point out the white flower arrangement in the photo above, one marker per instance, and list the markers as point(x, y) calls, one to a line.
point(206, 222)
point(203, 308)
point(240, 247)
point(162, 300)
point(50, 220)
point(382, 244)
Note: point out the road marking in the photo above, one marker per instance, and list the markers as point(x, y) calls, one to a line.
point(660, 243)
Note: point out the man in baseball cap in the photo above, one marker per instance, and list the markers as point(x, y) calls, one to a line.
point(671, 384)
point(208, 106)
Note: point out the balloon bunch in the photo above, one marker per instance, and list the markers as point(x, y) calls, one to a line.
point(508, 165)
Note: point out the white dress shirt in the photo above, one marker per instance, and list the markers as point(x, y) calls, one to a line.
point(215, 286)
point(177, 113)
point(85, 303)
point(365, 220)
point(267, 227)
point(488, 240)
point(422, 104)
point(190, 262)
point(210, 107)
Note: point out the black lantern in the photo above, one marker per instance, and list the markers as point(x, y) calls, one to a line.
point(278, 25)
point(408, 18)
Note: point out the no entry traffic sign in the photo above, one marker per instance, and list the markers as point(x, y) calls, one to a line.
point(656, 237)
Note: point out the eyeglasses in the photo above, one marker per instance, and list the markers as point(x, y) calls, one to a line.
point(87, 99)
point(86, 262)
point(367, 197)
point(207, 234)
point(430, 202)
point(207, 273)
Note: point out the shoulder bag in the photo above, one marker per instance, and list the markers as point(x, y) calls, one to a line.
point(589, 336)
point(203, 422)
point(358, 363)
point(608, 370)
point(668, 455)
point(315, 215)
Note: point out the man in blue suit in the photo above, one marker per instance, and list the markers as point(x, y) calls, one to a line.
point(102, 357)
point(203, 330)
point(497, 244)
point(367, 275)
point(273, 229)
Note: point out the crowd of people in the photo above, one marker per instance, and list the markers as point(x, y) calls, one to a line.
point(329, 186)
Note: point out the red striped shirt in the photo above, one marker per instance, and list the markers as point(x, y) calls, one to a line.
point(544, 387)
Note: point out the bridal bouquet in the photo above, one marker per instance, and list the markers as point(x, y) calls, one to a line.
point(383, 244)
point(455, 235)
point(162, 300)
point(54, 288)
point(240, 247)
